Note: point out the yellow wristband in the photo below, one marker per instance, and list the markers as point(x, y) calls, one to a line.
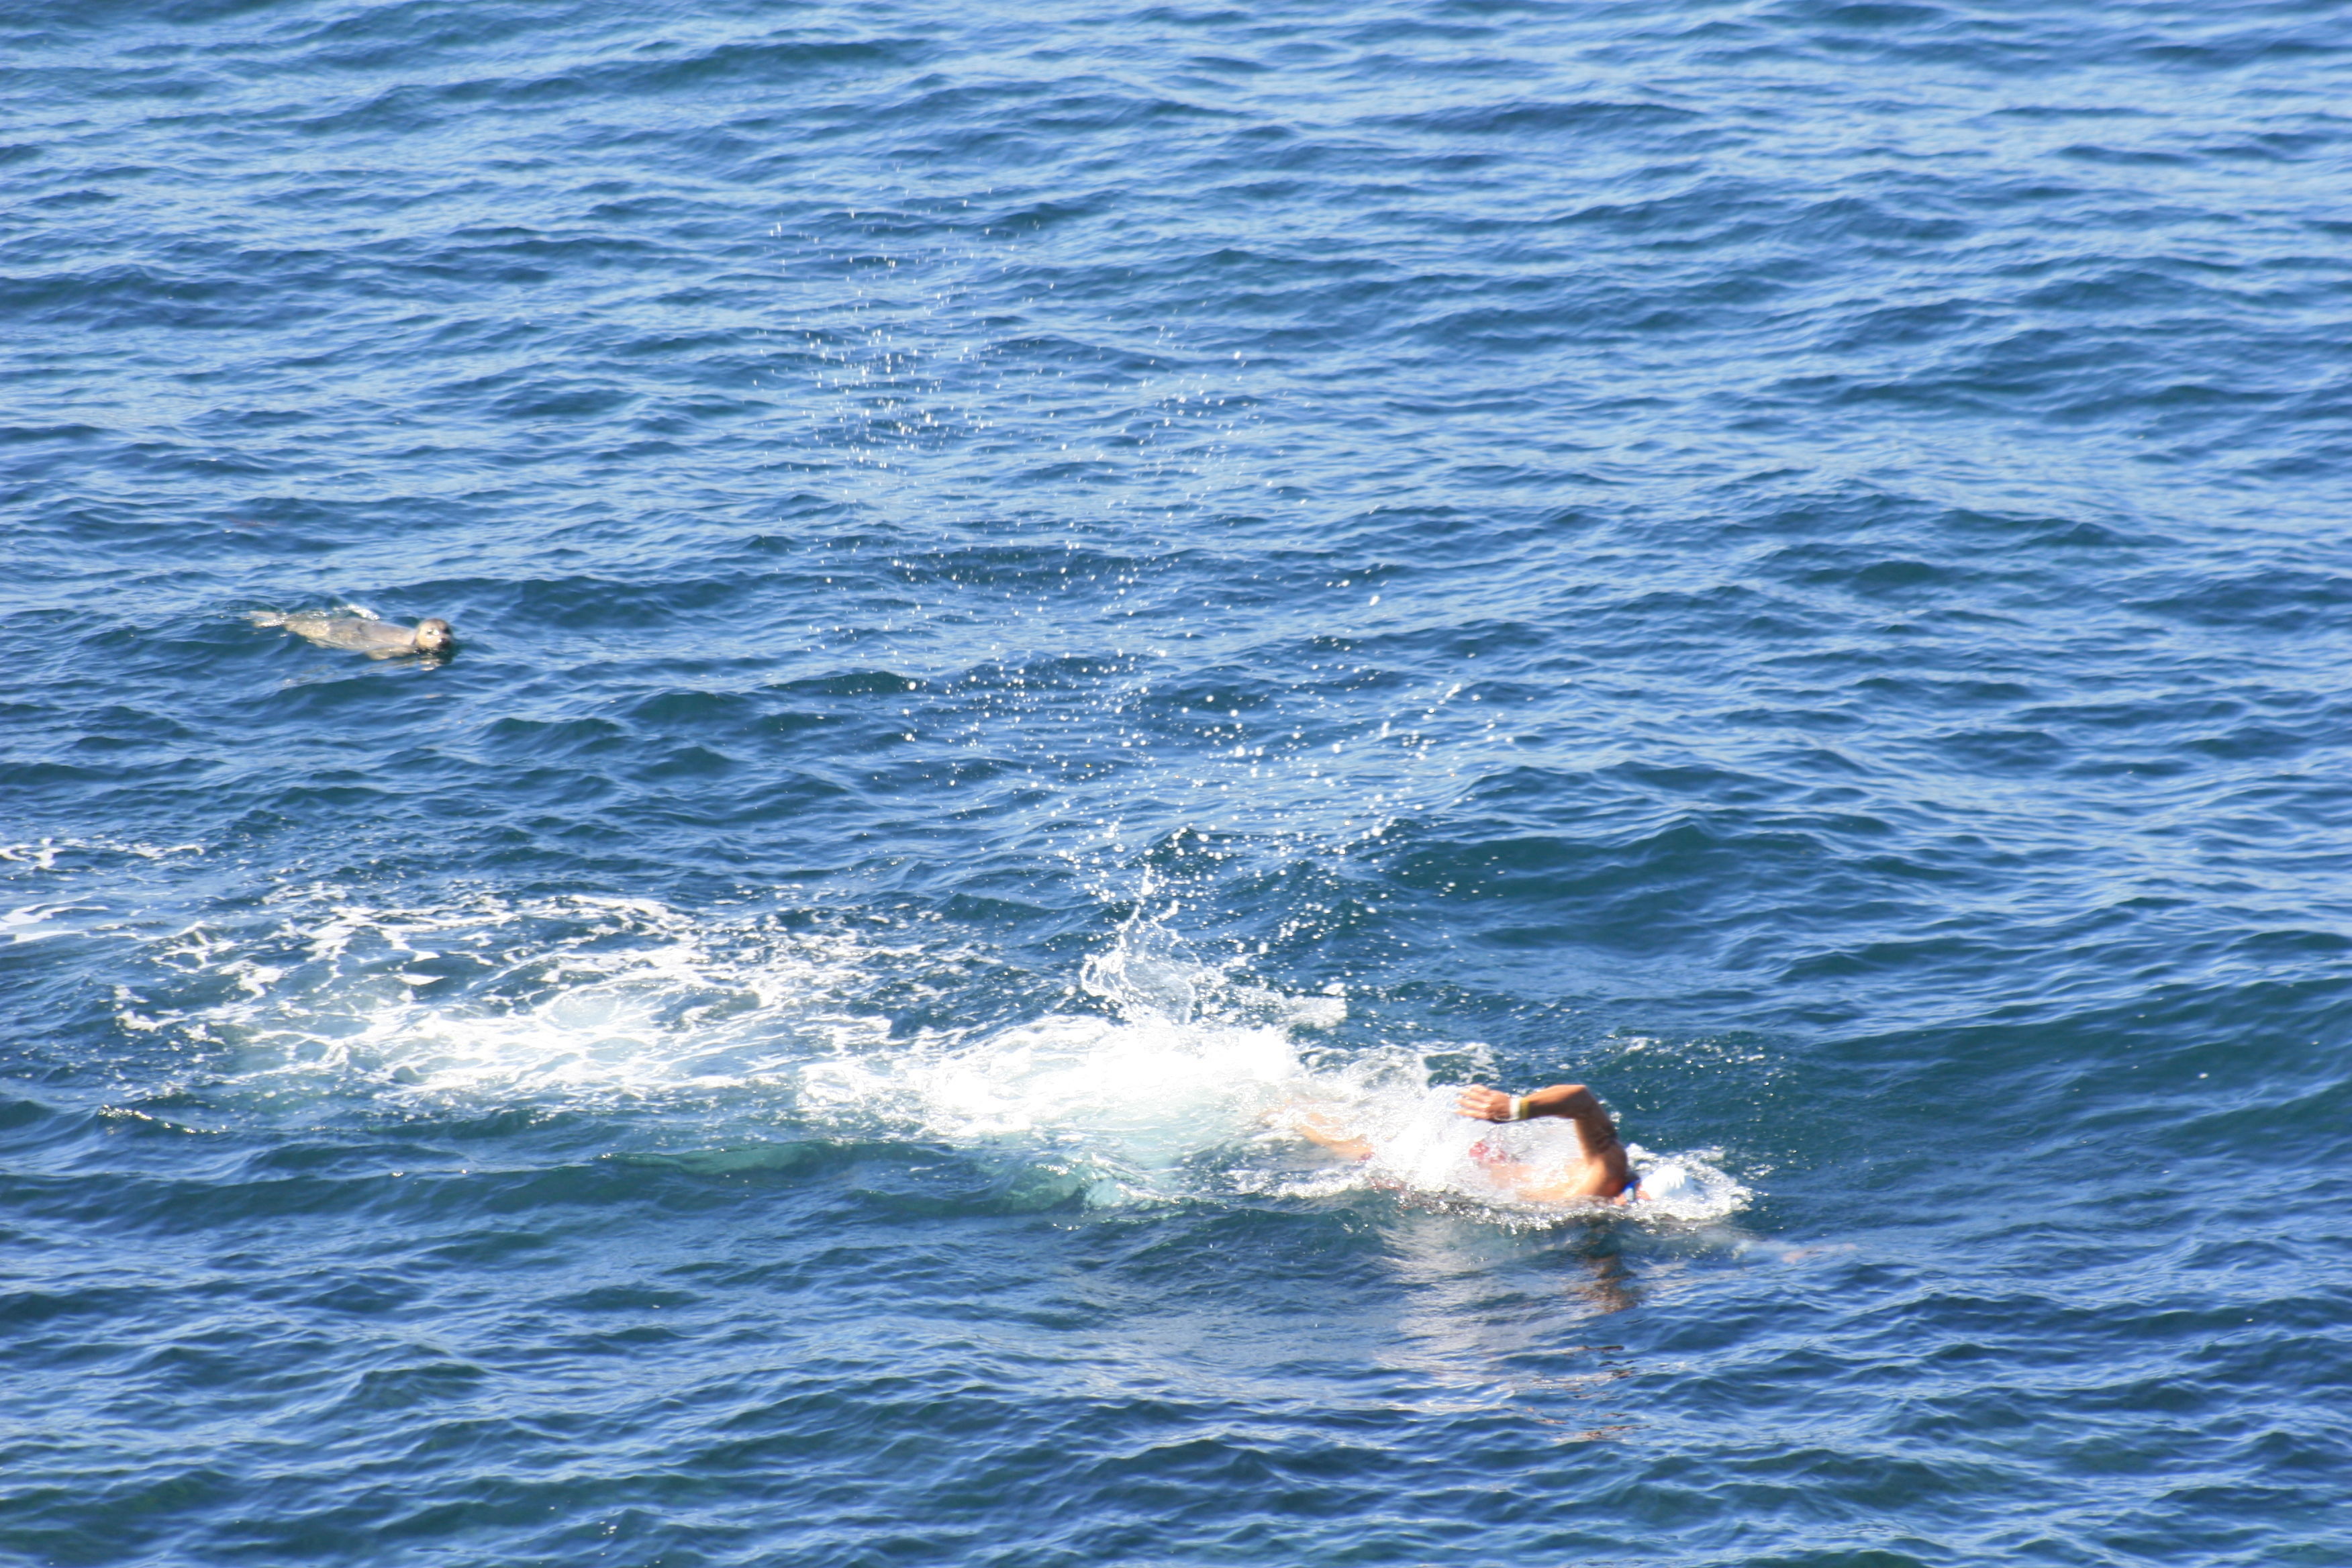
point(1518, 1107)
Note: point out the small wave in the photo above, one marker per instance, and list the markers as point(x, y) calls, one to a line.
point(33, 922)
point(86, 854)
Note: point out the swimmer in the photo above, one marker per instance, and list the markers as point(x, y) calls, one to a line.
point(364, 634)
point(1604, 1173)
point(1600, 1172)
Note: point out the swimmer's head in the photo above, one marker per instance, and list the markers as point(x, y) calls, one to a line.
point(434, 635)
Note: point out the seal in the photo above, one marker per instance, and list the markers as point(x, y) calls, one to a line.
point(363, 633)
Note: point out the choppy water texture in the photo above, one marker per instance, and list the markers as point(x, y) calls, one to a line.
point(1041, 585)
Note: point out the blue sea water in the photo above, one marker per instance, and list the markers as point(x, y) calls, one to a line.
point(1038, 584)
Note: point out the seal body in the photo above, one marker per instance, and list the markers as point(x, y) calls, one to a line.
point(363, 633)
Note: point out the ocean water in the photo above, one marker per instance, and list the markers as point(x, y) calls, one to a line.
point(1042, 589)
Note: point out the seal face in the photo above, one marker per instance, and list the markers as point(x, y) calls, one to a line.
point(364, 634)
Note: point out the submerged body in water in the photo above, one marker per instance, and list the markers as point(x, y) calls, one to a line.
point(364, 634)
point(1597, 1170)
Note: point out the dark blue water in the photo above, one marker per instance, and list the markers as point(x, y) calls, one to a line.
point(1038, 584)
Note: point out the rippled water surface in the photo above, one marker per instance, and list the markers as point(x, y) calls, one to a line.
point(1042, 587)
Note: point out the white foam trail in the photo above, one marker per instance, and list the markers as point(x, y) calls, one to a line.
point(571, 1002)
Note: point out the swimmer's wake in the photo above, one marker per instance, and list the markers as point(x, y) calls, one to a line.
point(673, 1028)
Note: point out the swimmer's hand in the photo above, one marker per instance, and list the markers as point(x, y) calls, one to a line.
point(1483, 1104)
point(1573, 1101)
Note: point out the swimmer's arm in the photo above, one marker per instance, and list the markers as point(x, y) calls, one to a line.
point(1571, 1102)
point(1603, 1173)
point(1316, 1128)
